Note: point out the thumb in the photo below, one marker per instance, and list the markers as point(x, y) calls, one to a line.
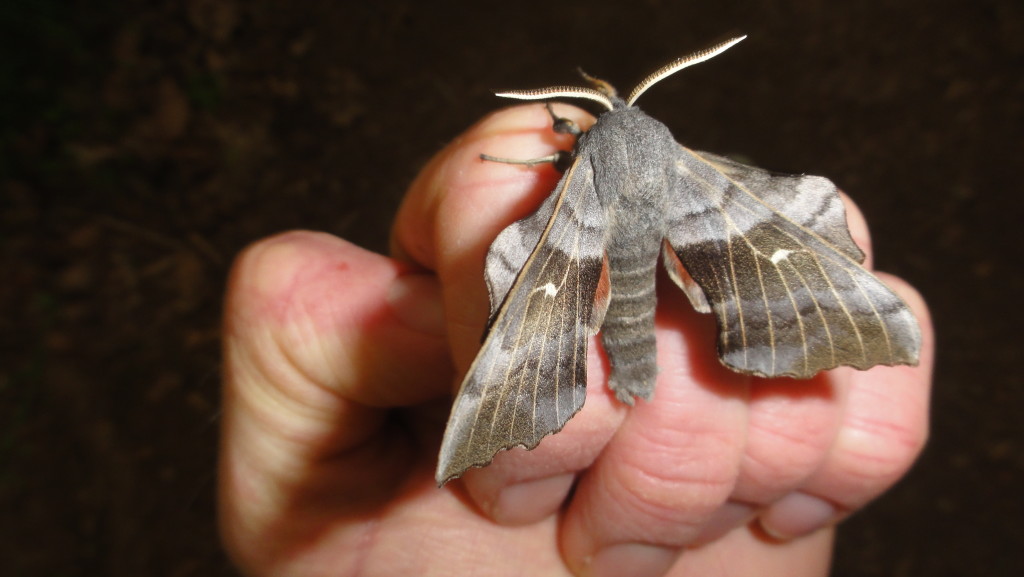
point(321, 338)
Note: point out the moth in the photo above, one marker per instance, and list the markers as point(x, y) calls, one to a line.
point(770, 255)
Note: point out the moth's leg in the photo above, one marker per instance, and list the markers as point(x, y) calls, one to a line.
point(563, 125)
point(559, 159)
point(562, 159)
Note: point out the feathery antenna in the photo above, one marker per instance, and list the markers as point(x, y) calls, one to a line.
point(559, 91)
point(605, 93)
point(677, 65)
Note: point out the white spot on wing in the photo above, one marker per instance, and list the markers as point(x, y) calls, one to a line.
point(550, 290)
point(780, 255)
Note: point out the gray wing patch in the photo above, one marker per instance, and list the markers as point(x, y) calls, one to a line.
point(529, 377)
point(811, 202)
point(513, 246)
point(775, 261)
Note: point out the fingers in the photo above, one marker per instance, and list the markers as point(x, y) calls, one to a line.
point(800, 462)
point(459, 204)
point(745, 553)
point(521, 487)
point(673, 462)
point(883, 427)
point(799, 455)
point(804, 467)
point(312, 326)
point(451, 215)
point(713, 451)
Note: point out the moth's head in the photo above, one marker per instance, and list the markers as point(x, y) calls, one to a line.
point(604, 93)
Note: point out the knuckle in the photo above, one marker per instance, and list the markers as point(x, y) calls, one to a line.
point(879, 451)
point(679, 488)
point(780, 455)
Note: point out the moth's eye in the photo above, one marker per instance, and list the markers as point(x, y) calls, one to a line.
point(564, 160)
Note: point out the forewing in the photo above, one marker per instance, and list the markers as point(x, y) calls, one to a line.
point(529, 377)
point(775, 261)
point(811, 202)
point(510, 250)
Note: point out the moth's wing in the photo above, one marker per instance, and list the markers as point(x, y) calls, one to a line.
point(509, 252)
point(773, 258)
point(810, 201)
point(529, 377)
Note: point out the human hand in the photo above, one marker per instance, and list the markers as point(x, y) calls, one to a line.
point(337, 373)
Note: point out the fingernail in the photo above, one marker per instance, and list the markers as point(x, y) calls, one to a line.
point(634, 559)
point(531, 501)
point(725, 519)
point(416, 301)
point(797, 514)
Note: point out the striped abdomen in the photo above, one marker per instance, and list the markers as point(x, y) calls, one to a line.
point(628, 329)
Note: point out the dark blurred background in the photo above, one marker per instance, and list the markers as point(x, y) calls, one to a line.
point(144, 143)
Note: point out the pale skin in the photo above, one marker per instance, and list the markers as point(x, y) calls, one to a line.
point(338, 367)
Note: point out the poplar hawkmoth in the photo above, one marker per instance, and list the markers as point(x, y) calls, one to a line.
point(770, 255)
